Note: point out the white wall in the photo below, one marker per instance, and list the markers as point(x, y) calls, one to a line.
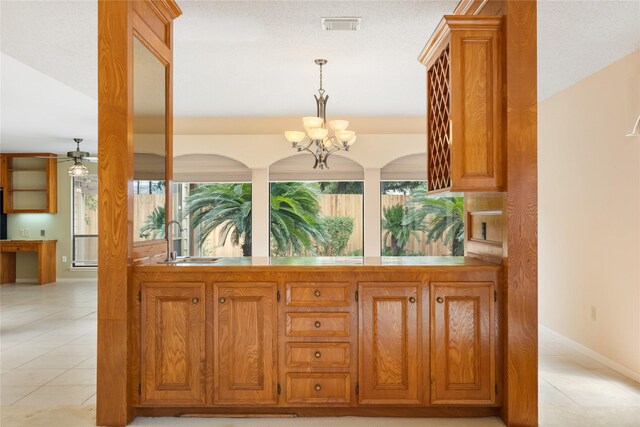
point(589, 213)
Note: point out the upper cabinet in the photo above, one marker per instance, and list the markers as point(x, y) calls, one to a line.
point(465, 104)
point(29, 183)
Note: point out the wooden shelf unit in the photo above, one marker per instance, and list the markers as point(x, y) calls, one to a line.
point(465, 105)
point(29, 183)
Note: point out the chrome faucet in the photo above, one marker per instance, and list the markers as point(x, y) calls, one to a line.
point(171, 254)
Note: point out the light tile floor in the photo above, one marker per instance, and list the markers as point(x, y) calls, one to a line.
point(48, 373)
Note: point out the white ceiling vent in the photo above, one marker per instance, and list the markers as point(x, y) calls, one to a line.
point(346, 23)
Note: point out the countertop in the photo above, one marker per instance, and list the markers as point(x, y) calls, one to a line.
point(352, 262)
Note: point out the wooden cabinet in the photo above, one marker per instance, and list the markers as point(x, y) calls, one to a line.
point(318, 342)
point(245, 337)
point(29, 183)
point(463, 343)
point(173, 344)
point(389, 344)
point(465, 105)
point(428, 341)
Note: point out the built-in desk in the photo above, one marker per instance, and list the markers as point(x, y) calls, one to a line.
point(46, 250)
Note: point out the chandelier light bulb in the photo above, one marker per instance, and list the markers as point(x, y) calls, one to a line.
point(338, 125)
point(78, 169)
point(294, 136)
point(318, 133)
point(312, 122)
point(345, 136)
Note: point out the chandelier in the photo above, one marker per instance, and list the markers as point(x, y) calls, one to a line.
point(316, 138)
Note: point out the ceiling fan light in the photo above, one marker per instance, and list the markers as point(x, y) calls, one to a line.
point(312, 122)
point(338, 125)
point(294, 136)
point(352, 141)
point(318, 133)
point(345, 136)
point(78, 170)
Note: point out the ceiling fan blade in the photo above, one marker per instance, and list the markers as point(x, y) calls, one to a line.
point(49, 157)
point(62, 160)
point(90, 159)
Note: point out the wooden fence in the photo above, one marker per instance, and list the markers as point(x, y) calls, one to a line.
point(330, 205)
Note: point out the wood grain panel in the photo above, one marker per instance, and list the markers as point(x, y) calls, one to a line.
point(173, 343)
point(317, 324)
point(246, 334)
point(317, 294)
point(318, 388)
point(463, 349)
point(476, 103)
point(389, 350)
point(317, 355)
point(521, 297)
point(151, 17)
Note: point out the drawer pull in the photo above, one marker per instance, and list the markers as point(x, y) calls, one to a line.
point(317, 293)
point(440, 300)
point(317, 324)
point(222, 300)
point(195, 300)
point(318, 387)
point(318, 355)
point(412, 300)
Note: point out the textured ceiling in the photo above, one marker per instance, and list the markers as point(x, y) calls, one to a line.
point(255, 58)
point(578, 38)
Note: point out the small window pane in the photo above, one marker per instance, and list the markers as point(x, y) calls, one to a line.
point(415, 223)
point(85, 221)
point(316, 218)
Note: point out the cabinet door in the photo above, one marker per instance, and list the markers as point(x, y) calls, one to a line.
point(389, 359)
point(463, 338)
point(245, 344)
point(173, 344)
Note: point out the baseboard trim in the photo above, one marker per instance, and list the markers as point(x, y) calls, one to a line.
point(74, 279)
point(635, 376)
point(58, 280)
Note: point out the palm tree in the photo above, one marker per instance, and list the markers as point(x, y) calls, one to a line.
point(296, 221)
point(295, 215)
point(444, 216)
point(399, 227)
point(153, 227)
point(223, 205)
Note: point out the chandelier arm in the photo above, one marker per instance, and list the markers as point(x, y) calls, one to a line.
point(306, 147)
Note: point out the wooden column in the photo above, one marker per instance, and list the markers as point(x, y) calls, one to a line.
point(521, 272)
point(520, 256)
point(118, 21)
point(115, 171)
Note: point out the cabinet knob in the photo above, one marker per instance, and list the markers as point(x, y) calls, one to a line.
point(195, 300)
point(317, 354)
point(412, 300)
point(440, 300)
point(317, 293)
point(222, 300)
point(318, 387)
point(317, 324)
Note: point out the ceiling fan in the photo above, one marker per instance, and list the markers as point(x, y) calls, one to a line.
point(77, 156)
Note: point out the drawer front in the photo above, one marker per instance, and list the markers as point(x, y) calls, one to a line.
point(317, 294)
point(318, 388)
point(19, 247)
point(318, 324)
point(317, 355)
